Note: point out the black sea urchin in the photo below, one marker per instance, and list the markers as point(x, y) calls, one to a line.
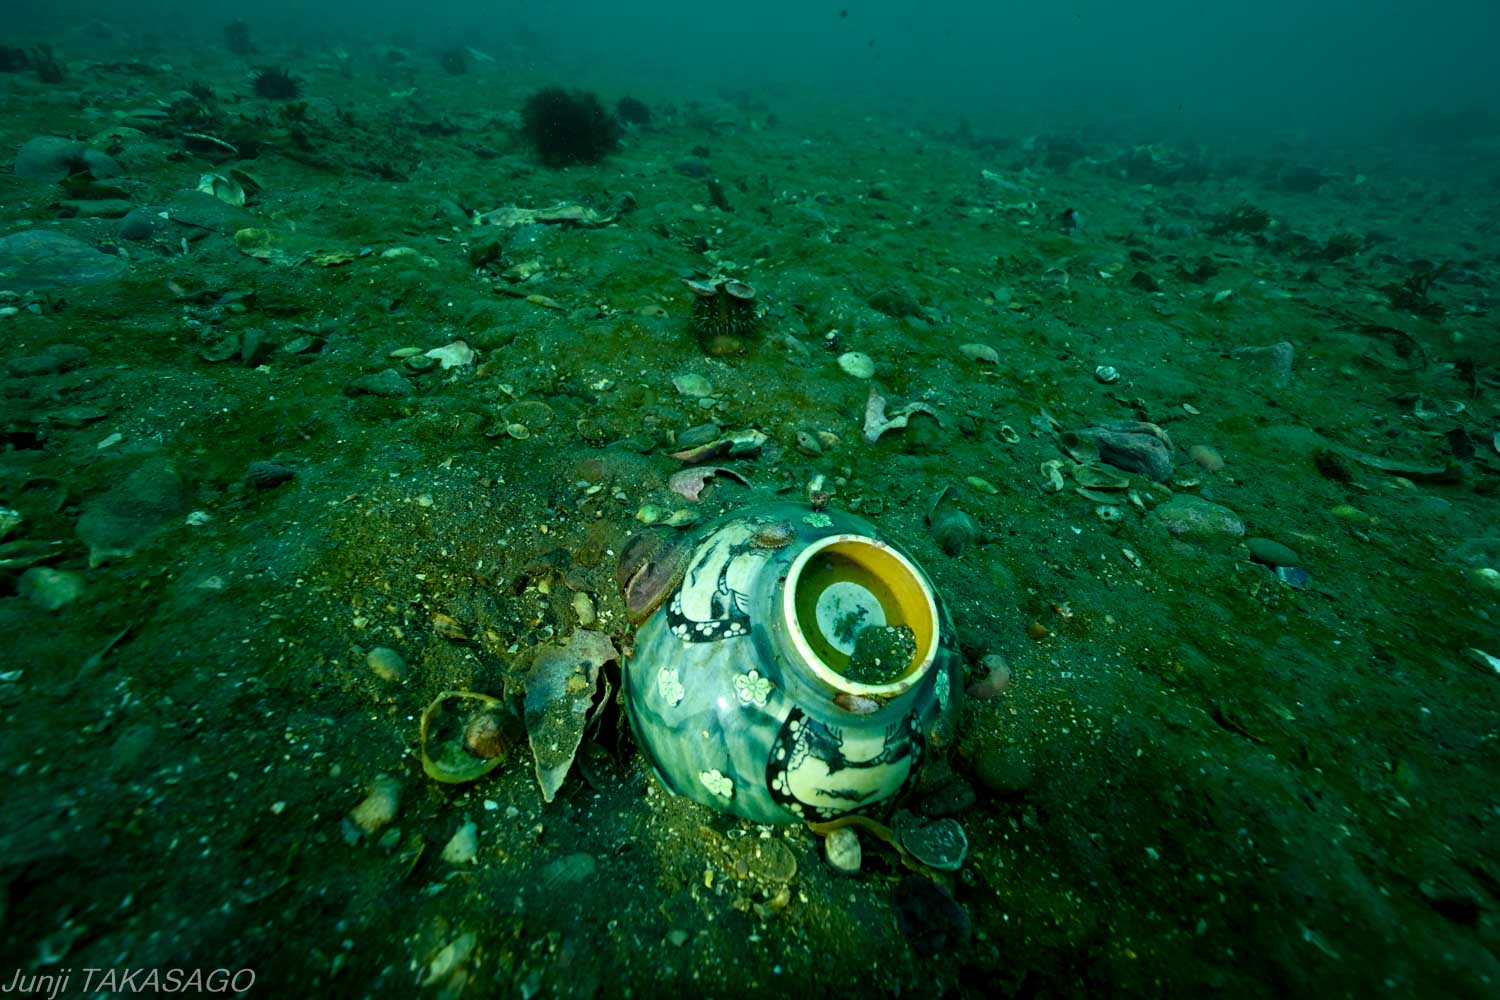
point(275, 83)
point(568, 128)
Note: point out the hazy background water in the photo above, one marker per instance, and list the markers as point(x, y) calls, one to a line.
point(1279, 69)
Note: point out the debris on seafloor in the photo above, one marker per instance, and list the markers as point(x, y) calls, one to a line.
point(877, 421)
point(561, 214)
point(464, 735)
point(560, 690)
point(691, 482)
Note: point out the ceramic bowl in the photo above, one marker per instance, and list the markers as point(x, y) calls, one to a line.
point(799, 671)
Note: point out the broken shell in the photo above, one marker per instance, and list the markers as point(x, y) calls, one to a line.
point(465, 735)
point(651, 566)
point(707, 289)
point(1098, 478)
point(518, 431)
point(938, 843)
point(649, 513)
point(1105, 374)
point(681, 518)
point(739, 290)
point(1052, 480)
point(1111, 516)
point(226, 189)
point(1008, 434)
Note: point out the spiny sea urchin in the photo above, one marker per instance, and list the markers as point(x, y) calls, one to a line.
point(275, 83)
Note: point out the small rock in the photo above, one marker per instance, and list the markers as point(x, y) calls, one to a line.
point(982, 353)
point(1193, 519)
point(1263, 550)
point(1134, 448)
point(41, 258)
point(583, 607)
point(268, 475)
point(387, 664)
point(50, 588)
point(388, 384)
point(464, 845)
point(50, 158)
point(377, 809)
point(841, 848)
point(10, 520)
point(1207, 458)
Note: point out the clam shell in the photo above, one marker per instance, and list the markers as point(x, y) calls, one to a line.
point(446, 726)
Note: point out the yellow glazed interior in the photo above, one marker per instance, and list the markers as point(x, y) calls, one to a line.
point(855, 571)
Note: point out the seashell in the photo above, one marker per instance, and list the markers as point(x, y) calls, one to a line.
point(691, 482)
point(996, 678)
point(1098, 478)
point(692, 386)
point(1052, 480)
point(681, 518)
point(982, 353)
point(268, 475)
point(1112, 516)
point(519, 432)
point(1008, 434)
point(531, 412)
point(939, 843)
point(739, 290)
point(857, 364)
point(387, 664)
point(455, 355)
point(953, 530)
point(226, 189)
point(419, 363)
point(774, 535)
point(1106, 374)
point(650, 567)
point(465, 735)
point(807, 444)
point(856, 704)
point(649, 513)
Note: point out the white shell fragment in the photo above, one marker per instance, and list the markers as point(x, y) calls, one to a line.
point(857, 364)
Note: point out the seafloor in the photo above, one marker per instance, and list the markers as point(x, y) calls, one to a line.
point(1204, 762)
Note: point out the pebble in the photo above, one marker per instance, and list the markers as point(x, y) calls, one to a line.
point(583, 607)
point(841, 848)
point(1263, 550)
point(693, 386)
point(43, 258)
point(464, 845)
point(1003, 770)
point(377, 809)
point(1206, 457)
point(857, 364)
point(982, 353)
point(1194, 519)
point(10, 520)
point(388, 384)
point(387, 664)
